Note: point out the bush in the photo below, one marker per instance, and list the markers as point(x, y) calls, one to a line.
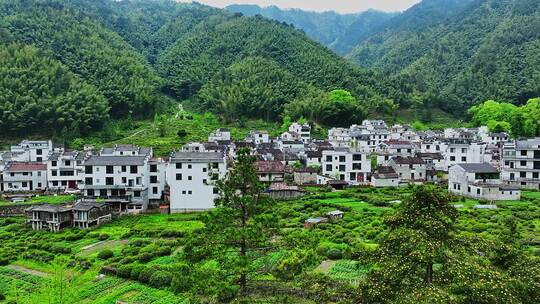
point(171, 233)
point(160, 279)
point(124, 271)
point(57, 248)
point(103, 236)
point(146, 273)
point(334, 254)
point(182, 133)
point(163, 251)
point(136, 271)
point(145, 257)
point(4, 261)
point(105, 254)
point(73, 237)
point(109, 270)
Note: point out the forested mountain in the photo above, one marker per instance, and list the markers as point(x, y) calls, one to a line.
point(340, 32)
point(461, 52)
point(133, 53)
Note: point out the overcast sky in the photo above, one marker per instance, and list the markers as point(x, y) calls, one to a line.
point(342, 6)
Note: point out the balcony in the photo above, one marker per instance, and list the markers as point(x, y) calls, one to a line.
point(108, 199)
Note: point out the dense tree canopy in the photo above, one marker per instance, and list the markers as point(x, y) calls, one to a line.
point(39, 93)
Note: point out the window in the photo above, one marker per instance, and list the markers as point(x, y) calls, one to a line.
point(477, 191)
point(67, 163)
point(189, 177)
point(437, 147)
point(183, 191)
point(452, 150)
point(215, 176)
point(39, 159)
point(328, 167)
point(189, 166)
point(535, 174)
point(88, 181)
point(398, 150)
point(138, 181)
point(54, 173)
point(109, 169)
point(463, 150)
point(190, 192)
point(215, 165)
point(88, 169)
point(55, 183)
point(53, 163)
point(452, 158)
point(124, 180)
point(153, 179)
point(133, 169)
point(203, 169)
point(215, 190)
point(352, 176)
point(39, 152)
point(103, 193)
point(178, 165)
point(469, 189)
point(109, 181)
point(204, 181)
point(342, 158)
point(522, 174)
point(463, 159)
point(137, 193)
point(124, 169)
point(523, 152)
point(154, 190)
point(341, 168)
point(25, 173)
point(90, 192)
point(428, 147)
point(24, 184)
point(153, 168)
point(328, 158)
point(178, 176)
point(357, 157)
point(523, 163)
point(357, 166)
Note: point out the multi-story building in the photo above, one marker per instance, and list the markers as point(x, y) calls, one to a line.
point(409, 168)
point(347, 165)
point(157, 170)
point(258, 137)
point(520, 163)
point(480, 181)
point(121, 180)
point(191, 177)
point(64, 170)
point(31, 150)
point(304, 131)
point(24, 176)
point(221, 134)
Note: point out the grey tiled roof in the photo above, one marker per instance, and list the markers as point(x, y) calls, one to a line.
point(111, 160)
point(197, 156)
point(478, 168)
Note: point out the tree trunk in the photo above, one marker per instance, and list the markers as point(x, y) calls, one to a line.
point(429, 273)
point(243, 249)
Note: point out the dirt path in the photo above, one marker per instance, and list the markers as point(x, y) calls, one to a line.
point(28, 270)
point(86, 250)
point(326, 266)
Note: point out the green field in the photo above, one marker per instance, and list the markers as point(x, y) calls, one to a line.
point(43, 199)
point(155, 243)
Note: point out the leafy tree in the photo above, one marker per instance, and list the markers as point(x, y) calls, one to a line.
point(237, 231)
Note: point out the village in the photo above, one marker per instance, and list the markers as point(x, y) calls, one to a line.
point(127, 179)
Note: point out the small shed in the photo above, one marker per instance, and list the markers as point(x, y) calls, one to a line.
point(335, 215)
point(314, 221)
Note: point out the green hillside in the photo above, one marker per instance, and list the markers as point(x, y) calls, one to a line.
point(461, 52)
point(140, 54)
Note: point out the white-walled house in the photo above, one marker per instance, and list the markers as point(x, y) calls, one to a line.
point(385, 176)
point(520, 163)
point(24, 176)
point(191, 177)
point(480, 181)
point(157, 170)
point(347, 165)
point(221, 134)
point(409, 168)
point(64, 170)
point(258, 137)
point(31, 151)
point(303, 130)
point(121, 180)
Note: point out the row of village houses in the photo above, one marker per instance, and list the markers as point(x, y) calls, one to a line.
point(476, 163)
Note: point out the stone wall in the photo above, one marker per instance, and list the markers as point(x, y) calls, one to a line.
point(13, 210)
